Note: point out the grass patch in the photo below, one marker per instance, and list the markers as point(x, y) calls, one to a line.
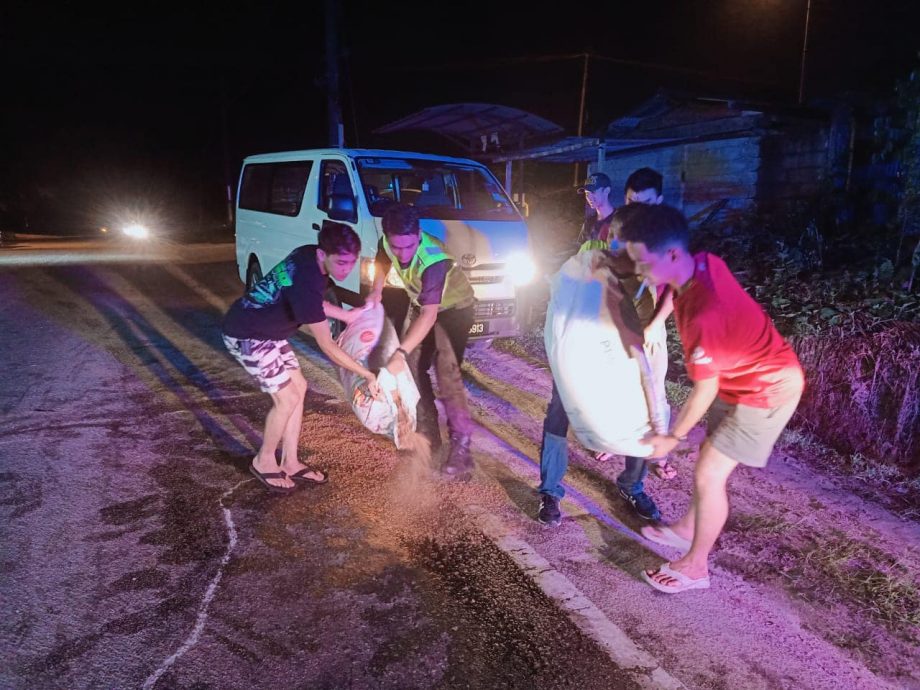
point(677, 393)
point(885, 484)
point(827, 569)
point(862, 576)
point(527, 347)
point(761, 524)
point(888, 476)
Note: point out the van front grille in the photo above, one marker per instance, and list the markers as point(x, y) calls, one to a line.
point(485, 280)
point(495, 309)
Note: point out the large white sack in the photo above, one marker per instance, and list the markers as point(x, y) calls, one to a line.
point(371, 340)
point(610, 381)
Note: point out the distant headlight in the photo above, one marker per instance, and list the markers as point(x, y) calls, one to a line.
point(136, 231)
point(521, 268)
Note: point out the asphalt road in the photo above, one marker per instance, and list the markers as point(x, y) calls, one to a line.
point(138, 552)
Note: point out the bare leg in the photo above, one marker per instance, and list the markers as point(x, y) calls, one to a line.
point(291, 438)
point(284, 403)
point(684, 527)
point(706, 516)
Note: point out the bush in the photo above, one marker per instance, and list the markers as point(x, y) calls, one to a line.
point(863, 392)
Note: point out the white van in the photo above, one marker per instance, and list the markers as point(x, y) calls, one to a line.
point(284, 198)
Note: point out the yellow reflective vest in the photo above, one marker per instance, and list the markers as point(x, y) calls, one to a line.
point(458, 292)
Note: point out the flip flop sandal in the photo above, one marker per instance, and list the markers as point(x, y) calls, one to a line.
point(301, 476)
point(664, 470)
point(265, 476)
point(683, 582)
point(665, 536)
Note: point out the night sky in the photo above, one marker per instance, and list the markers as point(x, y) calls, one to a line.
point(157, 104)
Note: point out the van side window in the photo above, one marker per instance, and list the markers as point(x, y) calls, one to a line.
point(275, 187)
point(255, 189)
point(333, 180)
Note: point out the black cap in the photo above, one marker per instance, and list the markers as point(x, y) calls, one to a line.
point(595, 181)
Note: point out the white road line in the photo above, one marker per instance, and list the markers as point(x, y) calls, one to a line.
point(202, 618)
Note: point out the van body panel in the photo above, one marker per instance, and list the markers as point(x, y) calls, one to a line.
point(482, 248)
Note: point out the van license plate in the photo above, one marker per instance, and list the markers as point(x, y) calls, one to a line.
point(478, 328)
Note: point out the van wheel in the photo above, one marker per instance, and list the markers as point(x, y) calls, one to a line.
point(253, 274)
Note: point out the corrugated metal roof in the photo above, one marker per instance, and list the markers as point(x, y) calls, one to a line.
point(480, 127)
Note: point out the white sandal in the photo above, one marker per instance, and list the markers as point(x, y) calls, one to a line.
point(683, 582)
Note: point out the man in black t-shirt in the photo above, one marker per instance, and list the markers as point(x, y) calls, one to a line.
point(255, 332)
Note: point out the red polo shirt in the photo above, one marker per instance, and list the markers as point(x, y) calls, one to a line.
point(725, 333)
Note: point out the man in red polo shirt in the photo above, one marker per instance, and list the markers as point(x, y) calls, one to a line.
point(739, 365)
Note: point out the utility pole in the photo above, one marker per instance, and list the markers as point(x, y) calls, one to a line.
point(804, 52)
point(581, 107)
point(225, 135)
point(333, 104)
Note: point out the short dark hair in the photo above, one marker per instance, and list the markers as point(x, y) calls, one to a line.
point(644, 178)
point(657, 227)
point(400, 219)
point(338, 238)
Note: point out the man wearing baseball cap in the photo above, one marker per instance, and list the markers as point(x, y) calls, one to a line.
point(643, 186)
point(596, 228)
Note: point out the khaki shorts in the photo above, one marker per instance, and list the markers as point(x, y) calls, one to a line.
point(268, 361)
point(747, 434)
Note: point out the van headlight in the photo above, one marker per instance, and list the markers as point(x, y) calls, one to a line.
point(393, 279)
point(521, 268)
point(368, 271)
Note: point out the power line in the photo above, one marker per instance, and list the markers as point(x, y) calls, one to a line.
point(560, 57)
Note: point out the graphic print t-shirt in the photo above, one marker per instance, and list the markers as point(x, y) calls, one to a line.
point(289, 295)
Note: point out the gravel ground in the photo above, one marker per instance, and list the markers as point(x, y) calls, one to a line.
point(125, 441)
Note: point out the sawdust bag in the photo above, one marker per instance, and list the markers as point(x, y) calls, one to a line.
point(610, 380)
point(371, 340)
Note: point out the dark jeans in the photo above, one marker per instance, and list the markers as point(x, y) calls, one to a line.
point(554, 454)
point(445, 346)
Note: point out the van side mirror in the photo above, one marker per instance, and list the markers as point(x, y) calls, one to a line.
point(342, 207)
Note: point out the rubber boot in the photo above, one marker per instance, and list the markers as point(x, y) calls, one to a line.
point(459, 463)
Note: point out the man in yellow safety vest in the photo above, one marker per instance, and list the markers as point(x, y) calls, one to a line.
point(442, 298)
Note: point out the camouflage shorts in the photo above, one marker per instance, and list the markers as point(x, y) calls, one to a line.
point(268, 361)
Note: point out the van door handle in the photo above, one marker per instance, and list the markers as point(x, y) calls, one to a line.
point(316, 227)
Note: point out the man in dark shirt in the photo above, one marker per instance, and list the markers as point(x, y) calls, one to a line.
point(596, 228)
point(643, 186)
point(255, 332)
point(442, 298)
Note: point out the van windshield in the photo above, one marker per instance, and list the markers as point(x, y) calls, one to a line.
point(438, 189)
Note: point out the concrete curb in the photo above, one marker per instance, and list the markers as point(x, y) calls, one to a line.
point(589, 619)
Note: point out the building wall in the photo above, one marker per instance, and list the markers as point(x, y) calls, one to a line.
point(697, 176)
point(794, 167)
point(756, 172)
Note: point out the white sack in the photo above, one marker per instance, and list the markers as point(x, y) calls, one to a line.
point(371, 340)
point(610, 382)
